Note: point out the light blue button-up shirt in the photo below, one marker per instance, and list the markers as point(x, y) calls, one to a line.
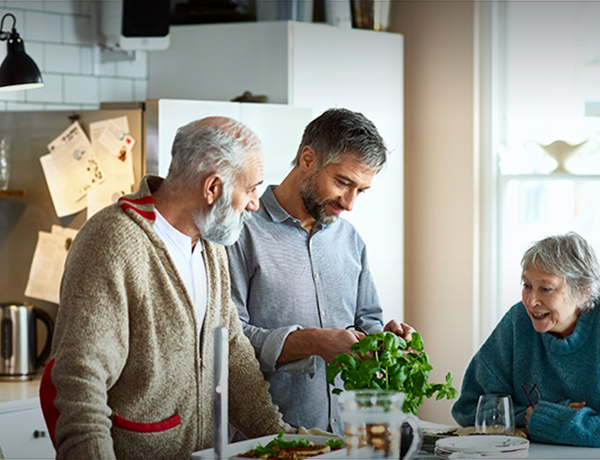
point(284, 279)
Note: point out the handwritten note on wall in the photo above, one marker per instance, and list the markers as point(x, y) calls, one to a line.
point(76, 166)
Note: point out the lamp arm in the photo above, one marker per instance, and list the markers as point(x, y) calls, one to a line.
point(6, 35)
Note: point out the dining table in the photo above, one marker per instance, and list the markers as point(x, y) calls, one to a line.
point(537, 450)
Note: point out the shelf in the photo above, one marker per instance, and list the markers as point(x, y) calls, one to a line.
point(12, 193)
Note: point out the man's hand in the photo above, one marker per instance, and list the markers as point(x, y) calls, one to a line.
point(402, 330)
point(326, 343)
point(336, 341)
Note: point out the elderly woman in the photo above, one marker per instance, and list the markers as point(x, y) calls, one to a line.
point(548, 345)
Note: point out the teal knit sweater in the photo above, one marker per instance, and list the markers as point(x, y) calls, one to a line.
point(564, 370)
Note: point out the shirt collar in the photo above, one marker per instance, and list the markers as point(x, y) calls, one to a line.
point(177, 238)
point(272, 207)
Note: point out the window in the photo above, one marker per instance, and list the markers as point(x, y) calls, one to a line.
point(543, 170)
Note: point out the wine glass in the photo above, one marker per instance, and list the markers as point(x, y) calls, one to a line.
point(495, 415)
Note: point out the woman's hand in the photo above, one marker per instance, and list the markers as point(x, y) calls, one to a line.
point(576, 405)
point(572, 405)
point(528, 413)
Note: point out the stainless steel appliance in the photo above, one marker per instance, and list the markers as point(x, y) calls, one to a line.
point(19, 358)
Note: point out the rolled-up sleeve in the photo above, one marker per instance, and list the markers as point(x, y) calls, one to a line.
point(268, 344)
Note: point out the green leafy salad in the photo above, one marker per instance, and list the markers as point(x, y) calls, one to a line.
point(294, 449)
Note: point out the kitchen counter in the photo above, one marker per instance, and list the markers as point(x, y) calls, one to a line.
point(17, 390)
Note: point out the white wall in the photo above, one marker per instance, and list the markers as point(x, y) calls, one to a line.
point(58, 37)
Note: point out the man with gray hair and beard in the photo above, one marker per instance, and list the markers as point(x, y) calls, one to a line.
point(145, 284)
point(299, 274)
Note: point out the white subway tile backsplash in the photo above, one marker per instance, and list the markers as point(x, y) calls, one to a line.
point(61, 6)
point(44, 27)
point(62, 58)
point(23, 107)
point(62, 106)
point(140, 90)
point(8, 22)
point(107, 69)
point(116, 90)
point(25, 4)
point(13, 95)
point(76, 29)
point(51, 92)
point(137, 68)
point(35, 50)
point(80, 89)
point(86, 6)
point(58, 37)
point(86, 60)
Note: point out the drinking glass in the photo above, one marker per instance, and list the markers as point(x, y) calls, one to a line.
point(4, 163)
point(495, 415)
point(372, 420)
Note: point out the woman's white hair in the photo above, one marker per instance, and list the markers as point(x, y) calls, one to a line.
point(573, 259)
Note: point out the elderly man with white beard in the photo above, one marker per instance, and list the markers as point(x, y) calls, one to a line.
point(145, 284)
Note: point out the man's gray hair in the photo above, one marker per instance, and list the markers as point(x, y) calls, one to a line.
point(570, 257)
point(211, 145)
point(337, 132)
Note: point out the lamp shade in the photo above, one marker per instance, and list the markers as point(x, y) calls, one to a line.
point(18, 70)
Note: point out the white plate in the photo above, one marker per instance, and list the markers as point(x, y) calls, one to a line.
point(482, 444)
point(496, 456)
point(243, 446)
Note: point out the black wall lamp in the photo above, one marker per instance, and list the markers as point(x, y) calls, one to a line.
point(18, 71)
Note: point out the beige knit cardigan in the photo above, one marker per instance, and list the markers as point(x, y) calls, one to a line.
point(129, 380)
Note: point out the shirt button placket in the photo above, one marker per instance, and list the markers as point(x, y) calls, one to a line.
point(317, 280)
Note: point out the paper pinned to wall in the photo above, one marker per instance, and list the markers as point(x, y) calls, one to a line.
point(113, 144)
point(104, 195)
point(48, 263)
point(77, 165)
point(76, 161)
point(63, 201)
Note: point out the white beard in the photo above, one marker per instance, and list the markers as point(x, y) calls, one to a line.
point(221, 224)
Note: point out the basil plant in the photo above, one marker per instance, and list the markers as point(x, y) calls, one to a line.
point(385, 361)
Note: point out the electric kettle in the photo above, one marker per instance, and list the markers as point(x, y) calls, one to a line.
point(19, 359)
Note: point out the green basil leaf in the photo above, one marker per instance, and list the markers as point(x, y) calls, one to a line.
point(369, 343)
point(351, 375)
point(335, 443)
point(348, 360)
point(331, 373)
point(266, 449)
point(416, 342)
point(386, 359)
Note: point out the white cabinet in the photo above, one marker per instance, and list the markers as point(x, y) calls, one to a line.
point(23, 431)
point(307, 65)
point(279, 127)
